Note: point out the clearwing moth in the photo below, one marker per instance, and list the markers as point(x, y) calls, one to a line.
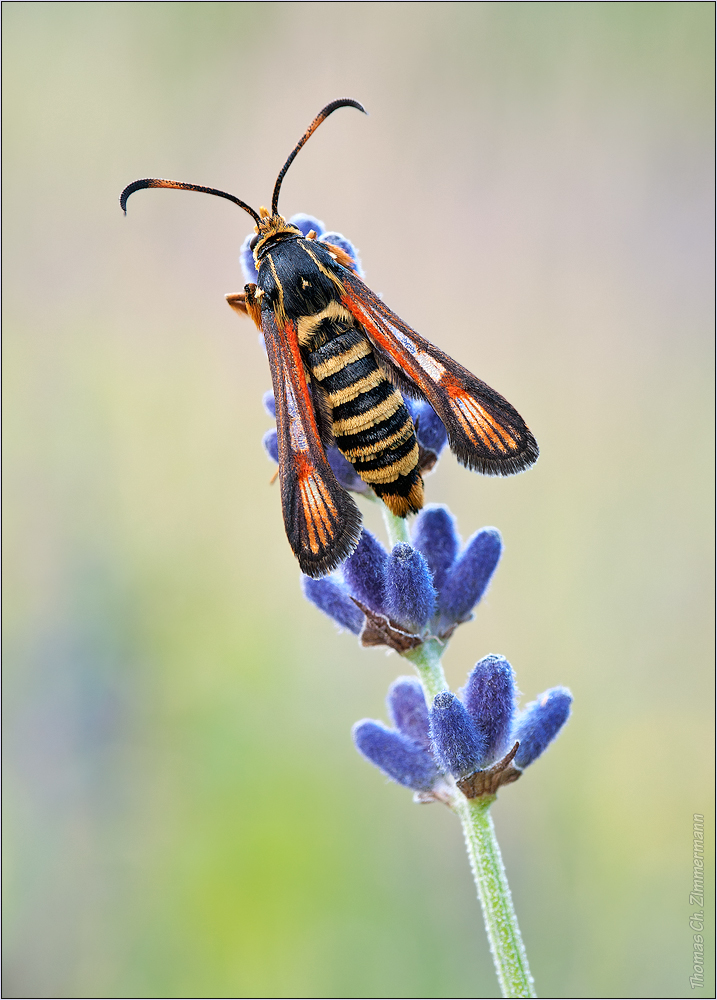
point(339, 361)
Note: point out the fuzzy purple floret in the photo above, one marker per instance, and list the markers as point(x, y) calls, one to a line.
point(347, 246)
point(457, 743)
point(271, 444)
point(332, 599)
point(408, 710)
point(489, 697)
point(436, 538)
point(470, 575)
point(364, 572)
point(410, 594)
point(246, 259)
point(268, 403)
point(540, 723)
point(430, 429)
point(345, 472)
point(306, 223)
point(396, 755)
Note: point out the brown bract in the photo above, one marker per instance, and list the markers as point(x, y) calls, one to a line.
point(488, 782)
point(378, 630)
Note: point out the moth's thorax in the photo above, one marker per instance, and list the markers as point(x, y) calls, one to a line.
point(297, 277)
point(271, 230)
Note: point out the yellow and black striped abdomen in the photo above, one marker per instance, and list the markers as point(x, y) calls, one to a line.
point(371, 425)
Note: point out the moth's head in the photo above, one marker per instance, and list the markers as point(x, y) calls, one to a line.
point(269, 230)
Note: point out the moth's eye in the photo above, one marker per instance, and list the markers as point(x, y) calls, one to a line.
point(253, 241)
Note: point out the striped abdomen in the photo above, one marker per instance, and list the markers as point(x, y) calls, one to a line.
point(371, 425)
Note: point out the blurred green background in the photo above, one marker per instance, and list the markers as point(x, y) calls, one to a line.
point(184, 811)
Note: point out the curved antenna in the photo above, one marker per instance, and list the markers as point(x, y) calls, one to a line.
point(156, 182)
point(342, 102)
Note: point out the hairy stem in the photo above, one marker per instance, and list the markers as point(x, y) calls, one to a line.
point(426, 658)
point(501, 923)
point(397, 527)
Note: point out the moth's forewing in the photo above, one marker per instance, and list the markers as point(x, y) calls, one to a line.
point(484, 431)
point(322, 522)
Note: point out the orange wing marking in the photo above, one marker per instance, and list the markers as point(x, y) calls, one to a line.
point(478, 423)
point(317, 507)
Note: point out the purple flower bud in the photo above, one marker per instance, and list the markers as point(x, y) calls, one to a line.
point(470, 575)
point(489, 697)
point(435, 536)
point(345, 472)
point(412, 405)
point(430, 429)
point(410, 595)
point(408, 710)
point(347, 246)
point(457, 743)
point(271, 444)
point(396, 755)
point(540, 723)
point(333, 600)
point(246, 259)
point(365, 572)
point(269, 404)
point(306, 223)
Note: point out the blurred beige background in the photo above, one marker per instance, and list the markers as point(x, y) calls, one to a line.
point(185, 814)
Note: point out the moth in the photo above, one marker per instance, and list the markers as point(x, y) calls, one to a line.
point(340, 361)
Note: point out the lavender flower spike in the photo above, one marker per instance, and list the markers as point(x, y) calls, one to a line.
point(347, 246)
point(269, 403)
point(365, 572)
point(430, 429)
point(410, 595)
point(271, 444)
point(436, 538)
point(489, 697)
point(408, 710)
point(470, 575)
point(306, 223)
point(540, 723)
point(457, 743)
point(333, 600)
point(246, 259)
point(396, 755)
point(345, 472)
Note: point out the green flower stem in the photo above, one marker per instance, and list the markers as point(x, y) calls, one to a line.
point(501, 923)
point(426, 658)
point(397, 527)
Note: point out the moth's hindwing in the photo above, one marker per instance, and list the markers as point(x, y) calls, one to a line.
point(484, 431)
point(322, 522)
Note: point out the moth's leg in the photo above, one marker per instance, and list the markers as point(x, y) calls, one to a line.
point(246, 303)
point(237, 300)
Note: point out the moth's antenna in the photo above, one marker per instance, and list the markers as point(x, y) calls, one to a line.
point(156, 182)
point(342, 102)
